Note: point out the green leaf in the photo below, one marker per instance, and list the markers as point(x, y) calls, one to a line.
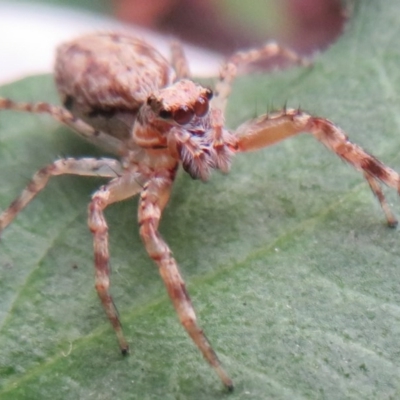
point(291, 268)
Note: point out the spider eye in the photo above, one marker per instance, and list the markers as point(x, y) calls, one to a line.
point(209, 93)
point(183, 115)
point(150, 100)
point(165, 114)
point(201, 107)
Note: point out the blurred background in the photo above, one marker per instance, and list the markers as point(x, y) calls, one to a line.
point(212, 29)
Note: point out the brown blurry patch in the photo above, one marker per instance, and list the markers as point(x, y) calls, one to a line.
point(312, 24)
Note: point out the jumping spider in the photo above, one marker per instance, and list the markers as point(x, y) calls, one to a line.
point(120, 93)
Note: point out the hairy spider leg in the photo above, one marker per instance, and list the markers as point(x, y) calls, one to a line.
point(103, 167)
point(153, 199)
point(230, 69)
point(269, 129)
point(179, 61)
point(62, 115)
point(121, 188)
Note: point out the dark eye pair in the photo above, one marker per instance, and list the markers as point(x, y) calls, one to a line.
point(183, 115)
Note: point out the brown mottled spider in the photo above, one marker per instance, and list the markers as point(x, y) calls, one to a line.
point(121, 94)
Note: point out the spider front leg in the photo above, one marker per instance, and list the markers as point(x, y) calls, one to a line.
point(152, 202)
point(104, 167)
point(127, 185)
point(269, 129)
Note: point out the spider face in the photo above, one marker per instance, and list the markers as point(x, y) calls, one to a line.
point(179, 117)
point(180, 102)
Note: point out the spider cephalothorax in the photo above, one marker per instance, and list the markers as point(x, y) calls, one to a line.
point(179, 117)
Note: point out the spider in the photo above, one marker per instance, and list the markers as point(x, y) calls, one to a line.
point(121, 94)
